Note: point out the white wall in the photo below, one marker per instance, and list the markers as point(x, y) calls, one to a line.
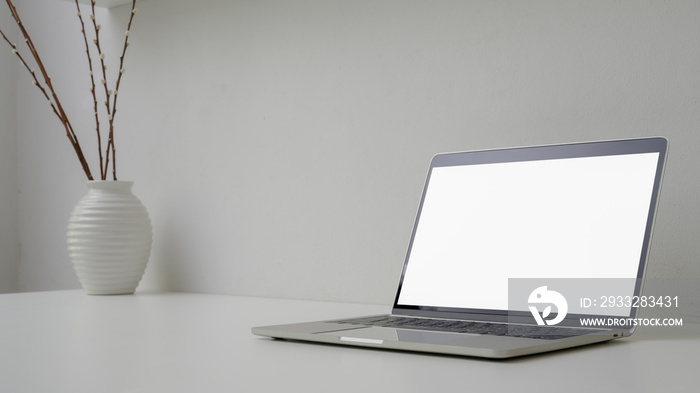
point(9, 236)
point(281, 146)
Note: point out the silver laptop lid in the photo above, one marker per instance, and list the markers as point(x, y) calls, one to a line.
point(565, 211)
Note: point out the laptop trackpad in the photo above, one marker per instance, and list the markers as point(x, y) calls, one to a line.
point(369, 335)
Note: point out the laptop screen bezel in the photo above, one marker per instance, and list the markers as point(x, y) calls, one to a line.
point(535, 153)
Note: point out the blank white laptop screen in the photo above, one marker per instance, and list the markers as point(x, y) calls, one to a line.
point(560, 218)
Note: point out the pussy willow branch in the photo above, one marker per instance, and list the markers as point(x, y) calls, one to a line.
point(103, 174)
point(110, 104)
point(116, 89)
point(55, 103)
point(50, 94)
point(35, 82)
point(101, 55)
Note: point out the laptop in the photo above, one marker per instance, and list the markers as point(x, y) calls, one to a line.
point(517, 251)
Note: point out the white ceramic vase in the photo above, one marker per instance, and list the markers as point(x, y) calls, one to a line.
point(109, 238)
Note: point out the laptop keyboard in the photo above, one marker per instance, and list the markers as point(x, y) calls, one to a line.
point(471, 327)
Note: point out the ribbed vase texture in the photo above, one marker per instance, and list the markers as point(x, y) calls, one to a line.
point(109, 238)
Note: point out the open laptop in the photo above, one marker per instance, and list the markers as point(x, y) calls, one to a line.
point(518, 251)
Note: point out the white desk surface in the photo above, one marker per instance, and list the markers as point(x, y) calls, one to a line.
point(66, 341)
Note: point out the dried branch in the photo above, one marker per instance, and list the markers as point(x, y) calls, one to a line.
point(116, 89)
point(35, 82)
point(92, 91)
point(55, 103)
point(101, 55)
point(49, 93)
